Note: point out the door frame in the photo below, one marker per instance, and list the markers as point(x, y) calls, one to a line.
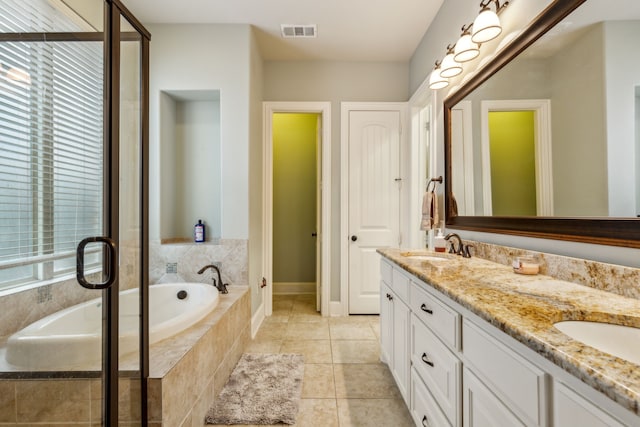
point(542, 134)
point(324, 187)
point(345, 108)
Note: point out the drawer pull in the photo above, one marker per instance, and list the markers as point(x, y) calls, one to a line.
point(424, 308)
point(425, 421)
point(426, 360)
point(390, 297)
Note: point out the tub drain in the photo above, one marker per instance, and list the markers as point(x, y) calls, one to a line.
point(182, 294)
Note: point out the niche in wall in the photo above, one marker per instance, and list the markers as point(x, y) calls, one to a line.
point(189, 164)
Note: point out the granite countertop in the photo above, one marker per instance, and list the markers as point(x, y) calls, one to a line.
point(526, 307)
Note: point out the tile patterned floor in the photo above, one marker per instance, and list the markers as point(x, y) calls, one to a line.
point(345, 384)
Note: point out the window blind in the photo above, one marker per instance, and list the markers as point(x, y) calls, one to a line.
point(51, 145)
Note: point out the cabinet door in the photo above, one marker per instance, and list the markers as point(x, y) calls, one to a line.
point(386, 324)
point(482, 408)
point(401, 355)
point(571, 409)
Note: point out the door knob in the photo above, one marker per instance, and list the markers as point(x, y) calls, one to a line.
point(354, 238)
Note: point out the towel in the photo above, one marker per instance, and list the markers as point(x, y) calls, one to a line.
point(429, 211)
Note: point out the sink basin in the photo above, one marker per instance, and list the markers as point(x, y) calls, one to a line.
point(428, 256)
point(618, 340)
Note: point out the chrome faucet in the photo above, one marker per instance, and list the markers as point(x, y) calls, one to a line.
point(222, 287)
point(463, 250)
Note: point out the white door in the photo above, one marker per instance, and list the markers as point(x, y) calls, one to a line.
point(374, 202)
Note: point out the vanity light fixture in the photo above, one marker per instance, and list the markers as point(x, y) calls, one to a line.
point(487, 24)
point(449, 66)
point(436, 81)
point(466, 49)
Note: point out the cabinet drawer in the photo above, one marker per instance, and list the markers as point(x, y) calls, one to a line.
point(400, 284)
point(515, 380)
point(441, 319)
point(424, 409)
point(439, 367)
point(385, 271)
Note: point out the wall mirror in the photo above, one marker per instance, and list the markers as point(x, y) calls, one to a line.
point(544, 140)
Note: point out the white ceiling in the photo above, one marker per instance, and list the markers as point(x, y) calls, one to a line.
point(348, 30)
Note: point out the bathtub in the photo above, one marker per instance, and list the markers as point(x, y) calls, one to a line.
point(71, 339)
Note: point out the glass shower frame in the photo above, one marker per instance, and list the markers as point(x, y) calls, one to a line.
point(120, 27)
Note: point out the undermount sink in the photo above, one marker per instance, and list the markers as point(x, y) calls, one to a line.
point(428, 256)
point(618, 340)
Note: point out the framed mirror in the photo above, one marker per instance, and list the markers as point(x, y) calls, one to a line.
point(544, 140)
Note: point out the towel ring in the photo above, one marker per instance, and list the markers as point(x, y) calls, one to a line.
point(435, 182)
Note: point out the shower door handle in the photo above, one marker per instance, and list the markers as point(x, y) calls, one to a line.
point(110, 266)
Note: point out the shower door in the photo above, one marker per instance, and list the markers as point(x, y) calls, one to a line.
point(73, 209)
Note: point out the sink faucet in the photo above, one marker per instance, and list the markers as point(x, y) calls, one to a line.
point(463, 250)
point(222, 287)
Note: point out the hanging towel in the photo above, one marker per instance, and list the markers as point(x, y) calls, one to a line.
point(429, 211)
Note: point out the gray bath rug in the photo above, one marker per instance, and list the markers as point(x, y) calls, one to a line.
point(262, 389)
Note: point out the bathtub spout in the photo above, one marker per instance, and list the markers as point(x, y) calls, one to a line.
point(222, 287)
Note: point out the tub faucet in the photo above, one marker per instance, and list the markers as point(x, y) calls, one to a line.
point(222, 287)
point(463, 250)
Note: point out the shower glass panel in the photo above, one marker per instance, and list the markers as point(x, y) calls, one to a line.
point(129, 223)
point(73, 165)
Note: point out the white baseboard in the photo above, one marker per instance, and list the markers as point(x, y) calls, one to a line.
point(256, 320)
point(336, 309)
point(286, 288)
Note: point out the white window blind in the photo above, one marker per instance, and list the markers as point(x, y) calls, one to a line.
point(51, 146)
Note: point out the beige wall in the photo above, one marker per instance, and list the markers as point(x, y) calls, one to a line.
point(335, 82)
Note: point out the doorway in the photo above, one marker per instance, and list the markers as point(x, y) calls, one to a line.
point(320, 113)
point(538, 114)
point(295, 202)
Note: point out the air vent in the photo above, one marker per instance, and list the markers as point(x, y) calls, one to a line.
point(298, 31)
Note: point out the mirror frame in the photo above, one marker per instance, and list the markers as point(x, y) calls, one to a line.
point(606, 231)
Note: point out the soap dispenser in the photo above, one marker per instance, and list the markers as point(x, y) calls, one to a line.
point(439, 243)
point(198, 232)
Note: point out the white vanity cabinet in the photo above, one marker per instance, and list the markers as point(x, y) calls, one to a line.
point(454, 369)
point(394, 325)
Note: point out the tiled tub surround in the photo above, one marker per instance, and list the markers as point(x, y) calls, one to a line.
point(190, 257)
point(526, 307)
point(189, 370)
point(186, 372)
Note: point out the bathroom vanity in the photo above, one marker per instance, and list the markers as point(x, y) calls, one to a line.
point(470, 343)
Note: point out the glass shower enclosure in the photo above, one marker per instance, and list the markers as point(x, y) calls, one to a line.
point(73, 213)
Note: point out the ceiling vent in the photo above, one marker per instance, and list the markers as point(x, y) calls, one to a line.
point(298, 31)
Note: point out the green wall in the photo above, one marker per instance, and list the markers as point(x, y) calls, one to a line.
point(513, 167)
point(294, 197)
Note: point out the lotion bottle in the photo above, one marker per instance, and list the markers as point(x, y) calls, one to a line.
point(198, 232)
point(439, 244)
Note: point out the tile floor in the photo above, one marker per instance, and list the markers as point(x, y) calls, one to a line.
point(345, 384)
